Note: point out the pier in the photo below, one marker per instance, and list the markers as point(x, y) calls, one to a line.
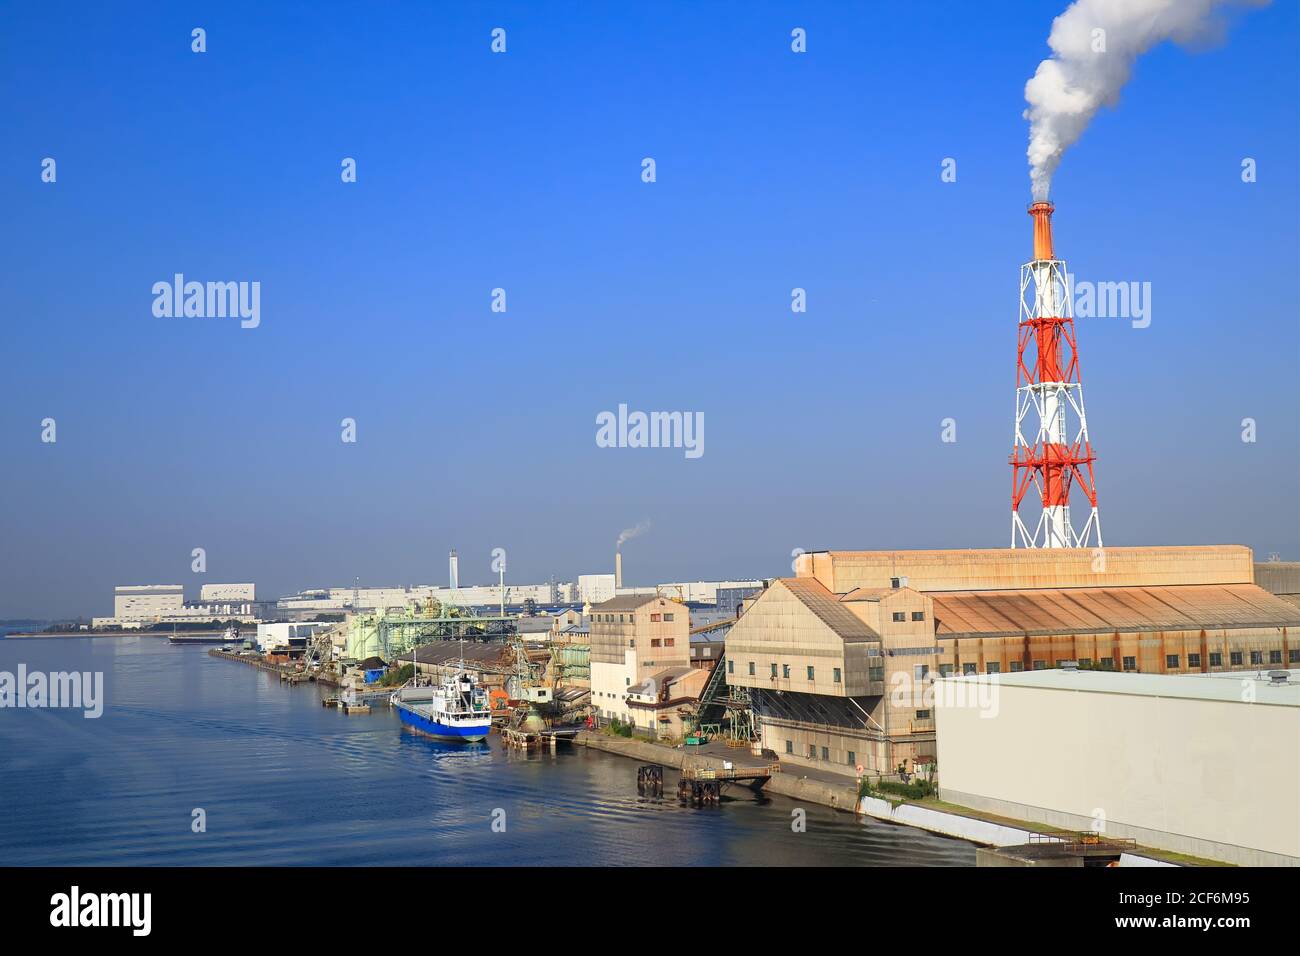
point(703, 786)
point(549, 738)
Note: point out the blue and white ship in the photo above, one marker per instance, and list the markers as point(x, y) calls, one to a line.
point(455, 710)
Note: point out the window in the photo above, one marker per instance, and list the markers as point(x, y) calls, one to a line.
point(810, 672)
point(1275, 657)
point(1234, 658)
point(1171, 661)
point(1085, 663)
point(668, 617)
point(654, 618)
point(1256, 657)
point(826, 753)
point(731, 667)
point(875, 673)
point(654, 642)
point(774, 672)
point(967, 669)
point(1193, 660)
point(922, 715)
point(789, 746)
point(706, 652)
point(631, 642)
point(945, 670)
point(918, 615)
point(670, 642)
point(1130, 663)
point(1293, 656)
point(853, 759)
point(626, 681)
point(812, 752)
point(900, 615)
point(1017, 665)
point(1108, 663)
point(751, 668)
point(920, 671)
point(993, 667)
point(1216, 659)
point(836, 675)
point(785, 671)
point(1040, 665)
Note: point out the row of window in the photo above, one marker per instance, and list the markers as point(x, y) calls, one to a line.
point(902, 615)
point(785, 671)
point(1172, 662)
point(609, 618)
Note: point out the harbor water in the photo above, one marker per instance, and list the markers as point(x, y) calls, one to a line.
point(201, 761)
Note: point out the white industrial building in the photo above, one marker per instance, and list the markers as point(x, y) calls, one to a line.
point(1203, 764)
point(140, 605)
point(227, 593)
point(143, 602)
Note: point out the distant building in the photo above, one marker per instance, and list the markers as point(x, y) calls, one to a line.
point(278, 636)
point(1202, 764)
point(729, 599)
point(227, 593)
point(595, 588)
point(147, 602)
point(635, 638)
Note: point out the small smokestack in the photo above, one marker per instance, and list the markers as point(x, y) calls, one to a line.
point(453, 569)
point(1042, 213)
point(618, 570)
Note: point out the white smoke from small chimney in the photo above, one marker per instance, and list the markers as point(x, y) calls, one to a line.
point(1094, 46)
point(627, 534)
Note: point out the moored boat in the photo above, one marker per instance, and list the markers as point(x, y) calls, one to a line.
point(455, 710)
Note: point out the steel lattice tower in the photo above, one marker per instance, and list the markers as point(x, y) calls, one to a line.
point(1051, 451)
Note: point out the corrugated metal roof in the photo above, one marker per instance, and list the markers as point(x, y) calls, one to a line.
point(813, 595)
point(1102, 610)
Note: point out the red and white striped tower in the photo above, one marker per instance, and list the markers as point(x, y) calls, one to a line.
point(1051, 452)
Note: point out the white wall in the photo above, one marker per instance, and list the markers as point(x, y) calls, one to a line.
point(1203, 776)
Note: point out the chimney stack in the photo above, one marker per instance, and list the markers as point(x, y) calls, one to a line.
point(1042, 213)
point(618, 571)
point(453, 564)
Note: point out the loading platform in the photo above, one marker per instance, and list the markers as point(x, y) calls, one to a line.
point(703, 786)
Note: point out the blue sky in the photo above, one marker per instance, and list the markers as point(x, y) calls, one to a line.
point(522, 171)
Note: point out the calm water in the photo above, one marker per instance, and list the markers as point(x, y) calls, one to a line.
point(285, 781)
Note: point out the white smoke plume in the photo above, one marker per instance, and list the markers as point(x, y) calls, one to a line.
point(1094, 46)
point(627, 534)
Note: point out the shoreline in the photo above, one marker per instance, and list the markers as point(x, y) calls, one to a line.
point(959, 823)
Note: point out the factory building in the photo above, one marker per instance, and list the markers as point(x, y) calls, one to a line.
point(840, 660)
point(147, 602)
point(1205, 765)
point(227, 593)
point(136, 606)
point(635, 638)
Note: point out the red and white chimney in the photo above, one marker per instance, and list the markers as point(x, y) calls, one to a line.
point(1050, 452)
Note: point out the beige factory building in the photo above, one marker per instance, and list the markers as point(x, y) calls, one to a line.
point(1207, 765)
point(839, 661)
point(634, 639)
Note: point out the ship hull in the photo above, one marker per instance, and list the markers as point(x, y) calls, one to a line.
point(467, 733)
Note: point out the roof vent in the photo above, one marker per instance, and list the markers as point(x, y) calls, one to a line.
point(1279, 677)
point(1069, 665)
